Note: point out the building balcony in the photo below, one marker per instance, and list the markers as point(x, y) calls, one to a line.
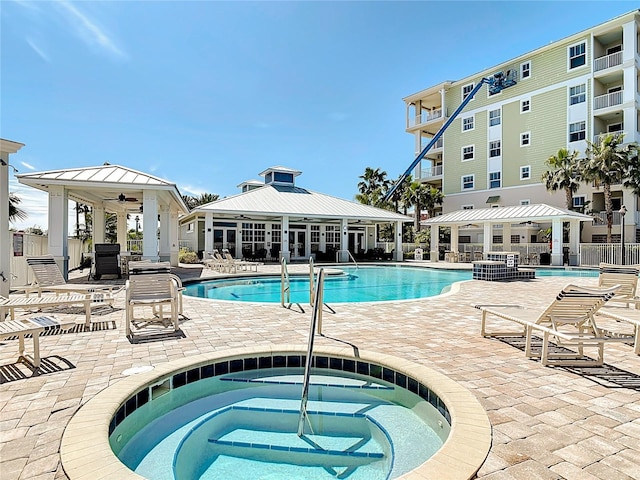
point(431, 172)
point(601, 218)
point(425, 118)
point(607, 61)
point(436, 146)
point(608, 100)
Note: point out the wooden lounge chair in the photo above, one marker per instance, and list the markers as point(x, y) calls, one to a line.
point(151, 285)
point(48, 278)
point(624, 275)
point(628, 316)
point(235, 265)
point(214, 261)
point(34, 327)
point(26, 303)
point(568, 320)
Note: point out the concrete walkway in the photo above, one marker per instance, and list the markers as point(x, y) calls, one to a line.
point(548, 422)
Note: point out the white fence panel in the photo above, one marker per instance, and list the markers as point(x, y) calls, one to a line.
point(592, 254)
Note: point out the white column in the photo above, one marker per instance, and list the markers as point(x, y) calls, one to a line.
point(506, 237)
point(454, 238)
point(370, 241)
point(284, 249)
point(150, 225)
point(556, 242)
point(97, 218)
point(164, 245)
point(435, 242)
point(574, 238)
point(59, 227)
point(123, 233)
point(344, 240)
point(174, 248)
point(487, 240)
point(399, 257)
point(208, 232)
point(5, 235)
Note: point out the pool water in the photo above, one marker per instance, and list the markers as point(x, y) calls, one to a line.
point(244, 426)
point(362, 284)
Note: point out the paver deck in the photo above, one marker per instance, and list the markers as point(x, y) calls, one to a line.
point(548, 422)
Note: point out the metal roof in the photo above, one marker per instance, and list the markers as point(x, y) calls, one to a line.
point(105, 183)
point(283, 200)
point(534, 213)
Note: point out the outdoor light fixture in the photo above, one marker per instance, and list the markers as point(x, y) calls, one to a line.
point(622, 212)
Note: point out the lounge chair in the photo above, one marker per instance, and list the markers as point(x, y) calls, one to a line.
point(568, 320)
point(214, 261)
point(623, 315)
point(624, 275)
point(27, 303)
point(151, 285)
point(34, 327)
point(48, 278)
point(235, 265)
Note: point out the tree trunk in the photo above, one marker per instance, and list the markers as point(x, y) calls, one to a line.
point(608, 207)
point(417, 218)
point(569, 198)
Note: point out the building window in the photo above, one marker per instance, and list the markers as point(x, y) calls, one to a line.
point(525, 106)
point(466, 90)
point(494, 118)
point(525, 139)
point(467, 207)
point(525, 70)
point(467, 123)
point(467, 182)
point(494, 179)
point(276, 232)
point(577, 131)
point(525, 173)
point(577, 55)
point(332, 238)
point(494, 148)
point(525, 202)
point(577, 94)
point(467, 153)
point(578, 202)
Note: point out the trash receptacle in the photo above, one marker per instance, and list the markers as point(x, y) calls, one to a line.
point(573, 259)
point(418, 254)
point(545, 259)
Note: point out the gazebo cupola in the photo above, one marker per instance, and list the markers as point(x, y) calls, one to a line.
point(280, 176)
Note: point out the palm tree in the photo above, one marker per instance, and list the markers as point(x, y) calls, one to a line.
point(606, 164)
point(202, 199)
point(399, 193)
point(15, 212)
point(422, 196)
point(564, 174)
point(632, 175)
point(432, 198)
point(372, 187)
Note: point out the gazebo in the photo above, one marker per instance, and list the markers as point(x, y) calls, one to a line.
point(115, 189)
point(506, 216)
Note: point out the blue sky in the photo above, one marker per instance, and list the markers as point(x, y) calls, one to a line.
point(208, 94)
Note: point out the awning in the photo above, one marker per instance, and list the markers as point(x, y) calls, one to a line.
point(493, 199)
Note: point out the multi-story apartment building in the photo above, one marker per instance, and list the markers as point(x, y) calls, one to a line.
point(567, 92)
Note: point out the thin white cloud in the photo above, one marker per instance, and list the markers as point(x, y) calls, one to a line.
point(191, 190)
point(28, 166)
point(38, 50)
point(88, 31)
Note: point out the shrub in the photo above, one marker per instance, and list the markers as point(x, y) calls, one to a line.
point(185, 256)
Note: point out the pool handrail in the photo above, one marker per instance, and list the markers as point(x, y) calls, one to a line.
point(316, 319)
point(285, 283)
point(311, 282)
point(349, 254)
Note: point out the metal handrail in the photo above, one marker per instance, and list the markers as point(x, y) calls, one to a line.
point(348, 254)
point(316, 315)
point(285, 283)
point(311, 282)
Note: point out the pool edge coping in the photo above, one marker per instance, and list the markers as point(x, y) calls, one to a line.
point(85, 452)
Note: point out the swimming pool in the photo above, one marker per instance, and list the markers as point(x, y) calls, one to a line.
point(363, 284)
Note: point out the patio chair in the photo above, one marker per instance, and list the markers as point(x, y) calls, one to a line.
point(568, 320)
point(624, 275)
point(48, 278)
point(151, 285)
point(26, 303)
point(34, 327)
point(628, 316)
point(235, 265)
point(213, 260)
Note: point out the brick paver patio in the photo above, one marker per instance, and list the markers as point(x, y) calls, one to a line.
point(548, 422)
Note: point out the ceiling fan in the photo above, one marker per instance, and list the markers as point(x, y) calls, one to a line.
point(123, 198)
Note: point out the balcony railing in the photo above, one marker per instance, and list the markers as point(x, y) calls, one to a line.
point(608, 100)
point(438, 144)
point(431, 172)
point(608, 61)
point(425, 117)
point(601, 218)
point(597, 138)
